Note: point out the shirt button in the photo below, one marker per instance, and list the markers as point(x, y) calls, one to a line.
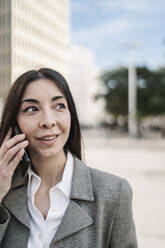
point(41, 236)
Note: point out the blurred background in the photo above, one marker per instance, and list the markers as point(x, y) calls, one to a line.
point(112, 53)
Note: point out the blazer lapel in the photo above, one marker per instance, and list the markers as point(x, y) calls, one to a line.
point(76, 217)
point(16, 199)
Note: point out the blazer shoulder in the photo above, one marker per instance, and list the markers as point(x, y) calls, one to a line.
point(102, 178)
point(108, 184)
point(102, 184)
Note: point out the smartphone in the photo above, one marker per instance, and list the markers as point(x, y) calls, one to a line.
point(25, 158)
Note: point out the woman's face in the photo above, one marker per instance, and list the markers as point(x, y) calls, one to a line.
point(45, 119)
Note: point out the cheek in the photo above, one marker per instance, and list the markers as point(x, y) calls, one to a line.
point(66, 122)
point(25, 126)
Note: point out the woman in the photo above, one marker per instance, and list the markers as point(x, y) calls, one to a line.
point(56, 200)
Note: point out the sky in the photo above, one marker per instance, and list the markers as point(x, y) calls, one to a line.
point(107, 26)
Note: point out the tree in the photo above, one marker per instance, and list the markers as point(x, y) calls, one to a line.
point(115, 84)
point(150, 91)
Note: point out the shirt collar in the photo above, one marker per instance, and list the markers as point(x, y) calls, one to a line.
point(65, 184)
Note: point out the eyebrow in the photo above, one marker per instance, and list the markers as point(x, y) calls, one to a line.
point(54, 98)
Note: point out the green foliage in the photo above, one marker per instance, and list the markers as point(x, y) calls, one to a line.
point(150, 91)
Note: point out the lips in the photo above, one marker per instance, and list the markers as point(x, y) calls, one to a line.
point(48, 139)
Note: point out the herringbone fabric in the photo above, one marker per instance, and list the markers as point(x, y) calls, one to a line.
point(99, 214)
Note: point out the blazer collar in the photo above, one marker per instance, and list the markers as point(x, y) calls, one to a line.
point(76, 216)
point(81, 182)
point(16, 201)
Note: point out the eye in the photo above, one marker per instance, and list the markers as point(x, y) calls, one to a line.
point(30, 109)
point(60, 106)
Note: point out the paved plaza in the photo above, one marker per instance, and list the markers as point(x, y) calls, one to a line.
point(142, 163)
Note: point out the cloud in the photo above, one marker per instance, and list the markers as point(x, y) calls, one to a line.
point(139, 6)
point(118, 26)
point(102, 26)
point(80, 6)
point(97, 35)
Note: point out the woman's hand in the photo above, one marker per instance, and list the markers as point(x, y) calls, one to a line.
point(11, 152)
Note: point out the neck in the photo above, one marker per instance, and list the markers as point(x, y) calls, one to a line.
point(50, 170)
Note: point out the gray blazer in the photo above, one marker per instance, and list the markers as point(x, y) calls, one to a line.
point(99, 214)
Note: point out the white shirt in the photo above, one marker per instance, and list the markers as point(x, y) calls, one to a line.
point(43, 230)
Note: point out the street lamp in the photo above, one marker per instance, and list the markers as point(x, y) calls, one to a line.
point(132, 88)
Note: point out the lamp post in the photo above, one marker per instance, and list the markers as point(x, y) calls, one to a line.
point(132, 89)
point(132, 96)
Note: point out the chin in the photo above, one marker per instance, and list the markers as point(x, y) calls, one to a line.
point(47, 154)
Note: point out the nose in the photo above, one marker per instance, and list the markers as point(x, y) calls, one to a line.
point(48, 120)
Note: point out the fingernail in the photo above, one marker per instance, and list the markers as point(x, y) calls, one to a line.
point(22, 134)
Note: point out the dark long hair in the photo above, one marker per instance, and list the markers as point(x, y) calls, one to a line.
point(13, 102)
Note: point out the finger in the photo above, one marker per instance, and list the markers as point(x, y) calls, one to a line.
point(10, 143)
point(7, 137)
point(14, 163)
point(11, 153)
